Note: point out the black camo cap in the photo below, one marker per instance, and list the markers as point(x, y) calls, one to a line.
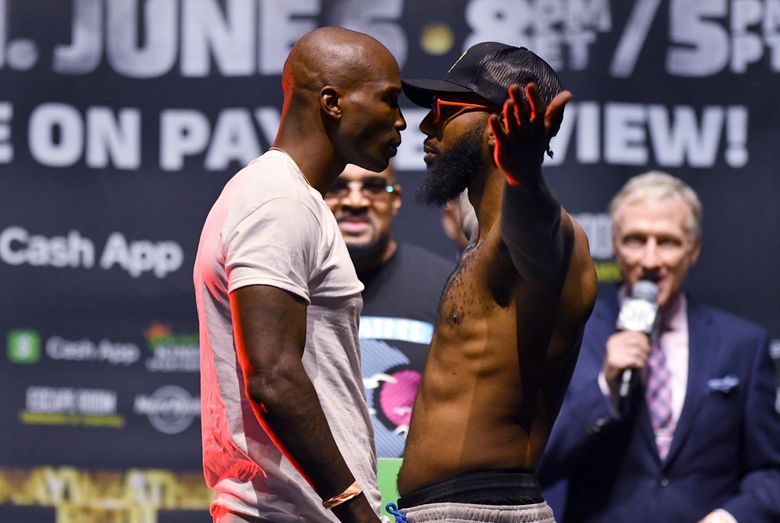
point(487, 69)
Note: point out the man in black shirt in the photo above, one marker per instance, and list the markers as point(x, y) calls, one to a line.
point(403, 285)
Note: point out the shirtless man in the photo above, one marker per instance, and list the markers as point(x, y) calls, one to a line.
point(512, 315)
point(287, 435)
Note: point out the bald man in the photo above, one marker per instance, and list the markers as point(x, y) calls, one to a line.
point(287, 435)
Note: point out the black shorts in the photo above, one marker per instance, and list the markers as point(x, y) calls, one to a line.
point(479, 488)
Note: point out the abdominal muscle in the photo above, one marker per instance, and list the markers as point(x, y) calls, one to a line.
point(468, 415)
point(498, 366)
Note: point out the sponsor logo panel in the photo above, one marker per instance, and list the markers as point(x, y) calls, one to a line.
point(86, 407)
point(170, 409)
point(598, 228)
point(171, 351)
point(21, 247)
point(87, 496)
point(24, 346)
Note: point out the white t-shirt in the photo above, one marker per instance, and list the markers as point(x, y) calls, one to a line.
point(269, 227)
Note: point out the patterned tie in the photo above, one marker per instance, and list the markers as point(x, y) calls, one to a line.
point(658, 394)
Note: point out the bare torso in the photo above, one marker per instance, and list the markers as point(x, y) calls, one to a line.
point(498, 365)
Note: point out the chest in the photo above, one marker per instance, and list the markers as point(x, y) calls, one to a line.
point(483, 282)
point(332, 273)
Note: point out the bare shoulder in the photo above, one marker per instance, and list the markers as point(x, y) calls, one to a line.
point(487, 275)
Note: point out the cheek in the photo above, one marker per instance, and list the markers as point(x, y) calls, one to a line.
point(628, 258)
point(381, 217)
point(678, 262)
point(370, 124)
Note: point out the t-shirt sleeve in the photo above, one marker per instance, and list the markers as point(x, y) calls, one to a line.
point(275, 245)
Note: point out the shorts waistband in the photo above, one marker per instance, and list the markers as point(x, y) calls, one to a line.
point(479, 488)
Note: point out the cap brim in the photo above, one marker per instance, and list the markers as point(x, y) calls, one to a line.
point(421, 92)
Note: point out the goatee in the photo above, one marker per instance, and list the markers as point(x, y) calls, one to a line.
point(453, 170)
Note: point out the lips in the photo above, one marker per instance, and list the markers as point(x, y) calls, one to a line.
point(659, 281)
point(354, 225)
point(393, 146)
point(430, 153)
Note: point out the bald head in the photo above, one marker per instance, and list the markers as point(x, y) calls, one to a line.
point(331, 56)
point(341, 92)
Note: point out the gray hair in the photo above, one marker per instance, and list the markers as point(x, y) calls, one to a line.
point(658, 186)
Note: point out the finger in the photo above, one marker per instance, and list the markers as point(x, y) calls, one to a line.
point(517, 98)
point(634, 338)
point(496, 127)
point(554, 114)
point(636, 362)
point(534, 102)
point(511, 119)
point(522, 111)
point(505, 114)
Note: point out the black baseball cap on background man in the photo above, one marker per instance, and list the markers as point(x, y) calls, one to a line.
point(485, 71)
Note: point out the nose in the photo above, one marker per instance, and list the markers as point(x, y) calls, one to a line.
point(427, 125)
point(400, 122)
point(355, 198)
point(651, 259)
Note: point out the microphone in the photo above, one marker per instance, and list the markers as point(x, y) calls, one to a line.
point(638, 313)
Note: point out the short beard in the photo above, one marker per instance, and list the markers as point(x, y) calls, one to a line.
point(453, 170)
point(367, 256)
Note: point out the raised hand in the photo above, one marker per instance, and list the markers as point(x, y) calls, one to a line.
point(524, 130)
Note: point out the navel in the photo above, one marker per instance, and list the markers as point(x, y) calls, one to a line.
point(456, 317)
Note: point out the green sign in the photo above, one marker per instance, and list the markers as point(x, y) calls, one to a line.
point(24, 346)
point(387, 476)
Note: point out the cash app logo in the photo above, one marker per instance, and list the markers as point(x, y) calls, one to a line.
point(24, 346)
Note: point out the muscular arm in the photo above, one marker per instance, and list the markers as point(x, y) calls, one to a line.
point(530, 215)
point(530, 228)
point(270, 332)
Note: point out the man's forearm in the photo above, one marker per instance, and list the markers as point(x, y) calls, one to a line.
point(290, 413)
point(531, 229)
point(287, 406)
point(270, 334)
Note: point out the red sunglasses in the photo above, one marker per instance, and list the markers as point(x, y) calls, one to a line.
point(441, 115)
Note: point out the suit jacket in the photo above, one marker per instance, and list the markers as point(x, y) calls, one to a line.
point(726, 447)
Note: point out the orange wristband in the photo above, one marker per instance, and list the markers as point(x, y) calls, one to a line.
point(351, 491)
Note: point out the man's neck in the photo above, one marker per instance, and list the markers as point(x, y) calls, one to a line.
point(368, 263)
point(485, 196)
point(312, 152)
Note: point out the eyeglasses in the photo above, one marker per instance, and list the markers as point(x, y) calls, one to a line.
point(373, 188)
point(443, 109)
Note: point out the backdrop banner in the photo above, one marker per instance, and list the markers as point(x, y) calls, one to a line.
point(121, 120)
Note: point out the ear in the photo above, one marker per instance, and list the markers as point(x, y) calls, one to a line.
point(695, 251)
point(330, 101)
point(396, 199)
point(491, 139)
